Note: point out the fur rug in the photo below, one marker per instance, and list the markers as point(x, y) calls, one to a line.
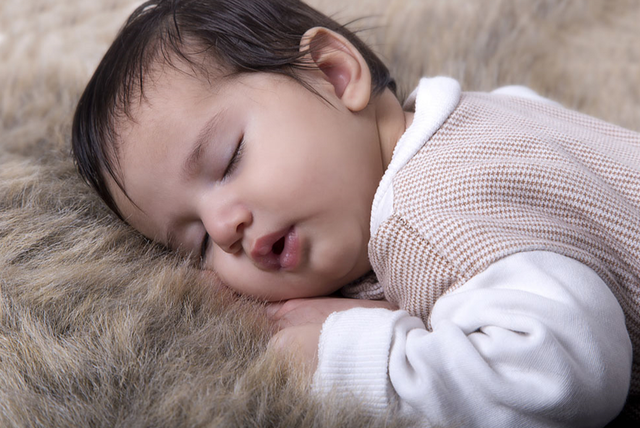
point(98, 327)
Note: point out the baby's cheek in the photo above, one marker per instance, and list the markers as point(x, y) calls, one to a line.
point(212, 281)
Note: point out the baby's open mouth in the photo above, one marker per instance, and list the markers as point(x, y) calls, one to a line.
point(278, 246)
point(280, 250)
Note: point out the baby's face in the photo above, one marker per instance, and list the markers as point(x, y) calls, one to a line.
point(270, 184)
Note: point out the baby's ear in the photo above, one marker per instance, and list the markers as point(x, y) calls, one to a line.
point(341, 64)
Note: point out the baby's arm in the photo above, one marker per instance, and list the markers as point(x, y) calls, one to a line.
point(536, 340)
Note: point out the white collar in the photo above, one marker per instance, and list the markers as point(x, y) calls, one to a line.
point(435, 99)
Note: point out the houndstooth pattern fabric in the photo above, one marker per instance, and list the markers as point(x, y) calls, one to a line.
point(505, 175)
point(366, 287)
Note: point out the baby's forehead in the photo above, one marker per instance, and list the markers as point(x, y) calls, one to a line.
point(165, 89)
point(164, 77)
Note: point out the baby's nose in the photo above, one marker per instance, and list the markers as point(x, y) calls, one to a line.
point(226, 227)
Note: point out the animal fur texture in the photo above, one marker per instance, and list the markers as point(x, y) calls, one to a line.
point(99, 327)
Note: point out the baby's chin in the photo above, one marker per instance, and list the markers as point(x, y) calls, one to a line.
point(278, 288)
point(325, 290)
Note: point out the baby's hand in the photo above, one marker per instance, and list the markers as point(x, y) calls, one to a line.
point(300, 323)
point(297, 312)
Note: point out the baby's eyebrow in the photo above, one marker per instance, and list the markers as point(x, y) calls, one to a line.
point(190, 165)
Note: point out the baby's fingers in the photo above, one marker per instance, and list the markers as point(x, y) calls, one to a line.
point(294, 312)
point(272, 309)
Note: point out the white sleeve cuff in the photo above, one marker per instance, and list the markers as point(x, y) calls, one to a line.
point(353, 355)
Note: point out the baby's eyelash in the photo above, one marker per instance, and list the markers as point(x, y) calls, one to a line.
point(235, 159)
point(203, 250)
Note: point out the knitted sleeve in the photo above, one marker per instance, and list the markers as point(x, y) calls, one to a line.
point(535, 340)
point(366, 287)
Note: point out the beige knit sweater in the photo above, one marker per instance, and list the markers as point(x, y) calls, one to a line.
point(505, 175)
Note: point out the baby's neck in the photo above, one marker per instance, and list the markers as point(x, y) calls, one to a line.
point(392, 121)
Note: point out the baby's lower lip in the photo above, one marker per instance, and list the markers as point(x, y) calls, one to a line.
point(290, 256)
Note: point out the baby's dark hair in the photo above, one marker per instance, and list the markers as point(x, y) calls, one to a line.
point(240, 36)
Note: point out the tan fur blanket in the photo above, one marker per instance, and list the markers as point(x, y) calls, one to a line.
point(98, 327)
